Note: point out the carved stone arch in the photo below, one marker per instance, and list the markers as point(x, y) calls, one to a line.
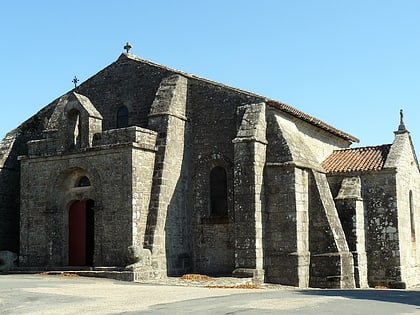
point(215, 159)
point(63, 193)
point(63, 189)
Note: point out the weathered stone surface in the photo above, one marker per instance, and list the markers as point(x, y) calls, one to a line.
point(138, 259)
point(137, 147)
point(351, 212)
point(8, 260)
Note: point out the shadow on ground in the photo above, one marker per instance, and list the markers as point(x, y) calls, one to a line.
point(391, 296)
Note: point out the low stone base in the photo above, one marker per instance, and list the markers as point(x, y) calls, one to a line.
point(116, 275)
point(257, 275)
point(7, 260)
point(397, 285)
point(388, 283)
point(332, 271)
point(288, 268)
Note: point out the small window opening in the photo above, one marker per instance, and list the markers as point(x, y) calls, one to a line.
point(83, 182)
point(122, 117)
point(75, 128)
point(218, 192)
point(412, 218)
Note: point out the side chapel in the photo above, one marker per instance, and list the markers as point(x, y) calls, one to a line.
point(157, 172)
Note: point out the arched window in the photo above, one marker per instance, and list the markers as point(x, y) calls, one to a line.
point(74, 128)
point(122, 117)
point(218, 192)
point(83, 182)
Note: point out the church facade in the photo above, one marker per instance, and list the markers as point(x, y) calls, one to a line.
point(160, 173)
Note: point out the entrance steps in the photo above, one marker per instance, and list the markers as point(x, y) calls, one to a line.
point(117, 273)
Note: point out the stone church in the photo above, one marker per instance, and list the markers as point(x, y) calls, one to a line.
point(155, 172)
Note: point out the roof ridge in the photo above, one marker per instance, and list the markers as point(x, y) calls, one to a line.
point(359, 159)
point(364, 147)
point(277, 104)
point(312, 120)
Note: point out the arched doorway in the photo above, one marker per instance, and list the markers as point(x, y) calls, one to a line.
point(81, 233)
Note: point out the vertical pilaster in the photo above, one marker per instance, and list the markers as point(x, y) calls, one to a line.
point(302, 227)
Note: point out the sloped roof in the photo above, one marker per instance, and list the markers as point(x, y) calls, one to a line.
point(312, 120)
point(276, 104)
point(360, 159)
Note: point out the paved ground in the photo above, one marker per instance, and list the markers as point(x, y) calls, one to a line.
point(55, 294)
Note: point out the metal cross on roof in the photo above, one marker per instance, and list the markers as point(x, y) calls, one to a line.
point(75, 80)
point(127, 47)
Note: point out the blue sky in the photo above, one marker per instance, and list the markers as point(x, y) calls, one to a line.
point(353, 64)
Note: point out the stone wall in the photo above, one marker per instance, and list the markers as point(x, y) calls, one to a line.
point(167, 230)
point(250, 147)
point(381, 221)
point(9, 195)
point(13, 145)
point(47, 197)
point(331, 263)
point(301, 219)
point(126, 82)
point(279, 208)
point(349, 204)
point(308, 145)
point(286, 245)
point(215, 237)
point(407, 178)
point(212, 110)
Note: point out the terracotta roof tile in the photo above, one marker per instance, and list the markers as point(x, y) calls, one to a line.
point(361, 159)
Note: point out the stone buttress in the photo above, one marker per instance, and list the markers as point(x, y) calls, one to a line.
point(164, 236)
point(350, 208)
point(249, 160)
point(331, 261)
point(304, 243)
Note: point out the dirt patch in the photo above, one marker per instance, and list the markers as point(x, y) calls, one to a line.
point(237, 286)
point(62, 274)
point(193, 276)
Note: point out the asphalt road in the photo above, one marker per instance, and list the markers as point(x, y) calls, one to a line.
point(41, 294)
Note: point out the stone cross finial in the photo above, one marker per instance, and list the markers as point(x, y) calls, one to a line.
point(401, 127)
point(75, 80)
point(127, 47)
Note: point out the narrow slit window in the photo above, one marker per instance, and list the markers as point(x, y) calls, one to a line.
point(412, 217)
point(218, 192)
point(74, 129)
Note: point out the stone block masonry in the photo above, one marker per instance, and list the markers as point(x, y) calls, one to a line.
point(249, 149)
point(158, 172)
point(165, 236)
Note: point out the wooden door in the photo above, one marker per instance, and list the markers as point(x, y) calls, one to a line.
point(81, 233)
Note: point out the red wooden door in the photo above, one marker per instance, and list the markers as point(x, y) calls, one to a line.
point(77, 234)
